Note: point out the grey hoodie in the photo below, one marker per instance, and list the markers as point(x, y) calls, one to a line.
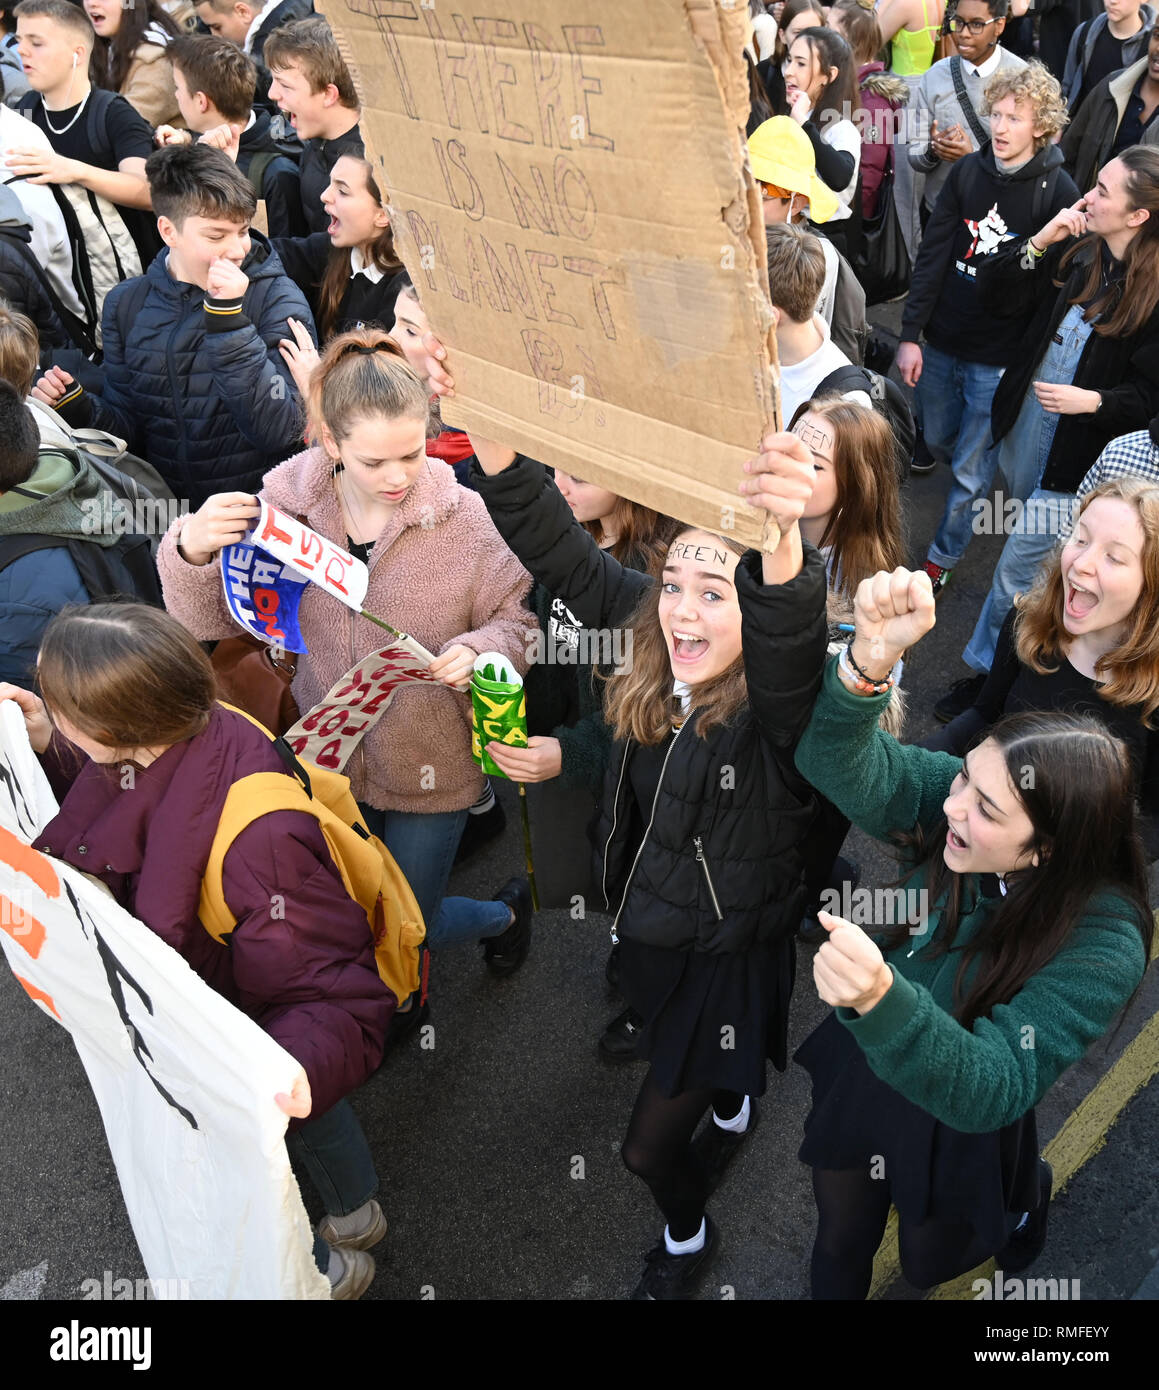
point(1082, 43)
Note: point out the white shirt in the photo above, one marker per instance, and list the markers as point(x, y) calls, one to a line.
point(986, 69)
point(800, 381)
point(258, 20)
point(843, 135)
point(50, 243)
point(358, 266)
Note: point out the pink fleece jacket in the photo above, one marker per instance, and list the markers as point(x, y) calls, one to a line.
point(440, 572)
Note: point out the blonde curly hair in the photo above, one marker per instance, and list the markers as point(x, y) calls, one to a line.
point(1040, 89)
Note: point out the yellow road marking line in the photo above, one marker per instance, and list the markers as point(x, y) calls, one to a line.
point(1082, 1135)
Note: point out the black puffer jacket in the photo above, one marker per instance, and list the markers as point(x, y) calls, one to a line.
point(206, 398)
point(1125, 370)
point(720, 864)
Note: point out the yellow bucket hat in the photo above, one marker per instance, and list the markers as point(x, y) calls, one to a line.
point(780, 153)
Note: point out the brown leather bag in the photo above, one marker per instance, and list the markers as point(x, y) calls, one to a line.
point(249, 676)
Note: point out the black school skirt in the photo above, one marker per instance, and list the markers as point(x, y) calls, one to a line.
point(711, 1022)
point(934, 1172)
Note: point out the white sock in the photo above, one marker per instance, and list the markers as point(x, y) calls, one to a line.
point(686, 1247)
point(739, 1122)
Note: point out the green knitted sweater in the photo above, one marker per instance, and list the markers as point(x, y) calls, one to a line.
point(980, 1078)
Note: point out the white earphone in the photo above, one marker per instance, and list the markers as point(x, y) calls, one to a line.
point(74, 58)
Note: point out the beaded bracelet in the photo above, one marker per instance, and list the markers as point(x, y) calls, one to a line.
point(864, 683)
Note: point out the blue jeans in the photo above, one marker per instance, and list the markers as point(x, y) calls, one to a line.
point(955, 398)
point(1023, 453)
point(334, 1152)
point(1045, 516)
point(424, 848)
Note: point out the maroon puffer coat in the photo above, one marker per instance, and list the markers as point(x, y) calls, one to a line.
point(301, 961)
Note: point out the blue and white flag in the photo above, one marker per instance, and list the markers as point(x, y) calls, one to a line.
point(263, 595)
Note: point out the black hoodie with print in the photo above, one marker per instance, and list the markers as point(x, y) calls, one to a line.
point(979, 208)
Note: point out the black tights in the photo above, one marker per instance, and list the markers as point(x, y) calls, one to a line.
point(657, 1148)
point(852, 1210)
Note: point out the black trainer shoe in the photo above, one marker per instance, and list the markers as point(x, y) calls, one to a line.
point(716, 1148)
point(960, 696)
point(1025, 1246)
point(481, 830)
point(506, 953)
point(923, 461)
point(674, 1276)
point(621, 1037)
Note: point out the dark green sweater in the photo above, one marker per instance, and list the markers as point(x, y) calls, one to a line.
point(987, 1076)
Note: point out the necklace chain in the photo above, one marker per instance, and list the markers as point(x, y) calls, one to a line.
point(76, 117)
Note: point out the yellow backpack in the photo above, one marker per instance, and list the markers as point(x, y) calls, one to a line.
point(368, 870)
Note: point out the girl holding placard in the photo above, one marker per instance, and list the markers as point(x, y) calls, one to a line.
point(438, 570)
point(702, 827)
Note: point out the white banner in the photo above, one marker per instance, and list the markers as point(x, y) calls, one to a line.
point(327, 564)
point(184, 1081)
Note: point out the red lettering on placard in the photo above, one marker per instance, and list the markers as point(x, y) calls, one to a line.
point(29, 862)
point(307, 540)
point(343, 562)
point(34, 993)
point(329, 726)
point(353, 694)
point(371, 706)
point(267, 602)
point(272, 529)
point(298, 745)
point(313, 719)
point(328, 757)
point(355, 682)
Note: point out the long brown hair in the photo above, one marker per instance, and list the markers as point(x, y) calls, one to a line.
point(1129, 301)
point(640, 702)
point(789, 12)
point(1130, 671)
point(642, 535)
point(125, 674)
point(1080, 799)
point(112, 58)
point(864, 528)
point(336, 277)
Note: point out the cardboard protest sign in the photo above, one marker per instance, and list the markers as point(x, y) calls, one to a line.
point(263, 595)
point(185, 1083)
point(569, 190)
point(330, 732)
point(312, 555)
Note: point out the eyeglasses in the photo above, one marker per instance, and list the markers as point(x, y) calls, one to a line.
point(975, 26)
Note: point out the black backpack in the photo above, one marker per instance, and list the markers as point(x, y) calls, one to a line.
point(124, 570)
point(96, 115)
point(888, 400)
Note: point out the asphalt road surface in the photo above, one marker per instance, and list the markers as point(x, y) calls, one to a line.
point(498, 1146)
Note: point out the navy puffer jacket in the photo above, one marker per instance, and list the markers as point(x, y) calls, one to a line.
point(212, 411)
